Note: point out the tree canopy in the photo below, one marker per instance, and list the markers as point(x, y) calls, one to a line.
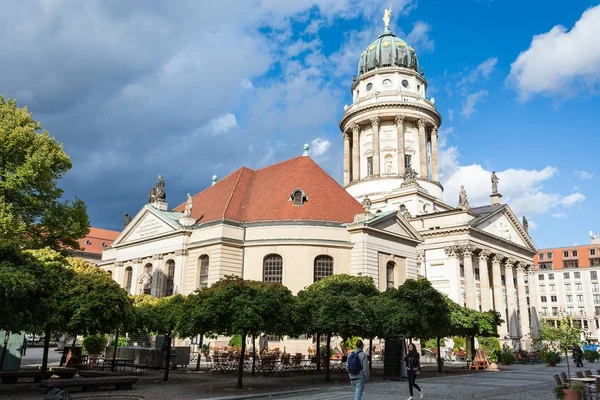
point(32, 211)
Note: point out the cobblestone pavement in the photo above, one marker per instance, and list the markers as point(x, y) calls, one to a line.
point(522, 382)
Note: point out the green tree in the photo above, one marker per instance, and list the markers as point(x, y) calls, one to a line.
point(161, 316)
point(419, 311)
point(196, 319)
point(32, 211)
point(29, 291)
point(563, 337)
point(248, 308)
point(340, 305)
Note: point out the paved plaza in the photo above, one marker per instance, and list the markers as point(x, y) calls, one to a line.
point(513, 382)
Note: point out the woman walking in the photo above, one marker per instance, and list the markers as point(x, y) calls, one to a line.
point(413, 368)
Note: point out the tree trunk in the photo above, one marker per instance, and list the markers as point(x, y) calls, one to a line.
point(439, 359)
point(115, 350)
point(199, 353)
point(167, 358)
point(4, 346)
point(370, 354)
point(47, 333)
point(74, 342)
point(318, 353)
point(240, 384)
point(253, 354)
point(327, 357)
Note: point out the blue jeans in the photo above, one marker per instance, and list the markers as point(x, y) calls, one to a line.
point(359, 386)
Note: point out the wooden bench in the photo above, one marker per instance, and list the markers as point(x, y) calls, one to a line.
point(481, 360)
point(89, 384)
point(14, 376)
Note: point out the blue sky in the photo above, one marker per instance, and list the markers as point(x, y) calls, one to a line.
point(191, 89)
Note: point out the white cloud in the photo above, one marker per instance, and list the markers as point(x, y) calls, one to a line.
point(450, 114)
point(222, 124)
point(522, 189)
point(560, 62)
point(583, 175)
point(482, 71)
point(533, 226)
point(572, 199)
point(419, 38)
point(468, 105)
point(319, 147)
point(246, 83)
point(558, 215)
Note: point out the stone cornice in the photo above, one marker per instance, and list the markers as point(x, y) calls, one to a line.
point(435, 118)
point(502, 241)
point(371, 230)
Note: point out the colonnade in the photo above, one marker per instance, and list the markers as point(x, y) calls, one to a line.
point(352, 149)
point(495, 294)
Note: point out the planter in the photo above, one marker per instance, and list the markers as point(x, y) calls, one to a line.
point(552, 364)
point(571, 394)
point(494, 366)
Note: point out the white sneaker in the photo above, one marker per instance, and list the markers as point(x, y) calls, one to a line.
point(421, 394)
point(410, 398)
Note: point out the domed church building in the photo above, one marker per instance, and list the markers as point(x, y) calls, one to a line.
point(292, 223)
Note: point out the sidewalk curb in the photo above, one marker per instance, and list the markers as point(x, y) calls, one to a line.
point(259, 395)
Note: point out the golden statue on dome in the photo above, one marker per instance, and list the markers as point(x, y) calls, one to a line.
point(386, 17)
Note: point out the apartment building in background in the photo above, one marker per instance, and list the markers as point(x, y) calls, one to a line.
point(568, 281)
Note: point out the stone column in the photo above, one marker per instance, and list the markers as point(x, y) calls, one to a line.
point(422, 150)
point(511, 295)
point(467, 252)
point(135, 275)
point(376, 152)
point(499, 293)
point(453, 266)
point(355, 152)
point(400, 138)
point(156, 275)
point(523, 308)
point(180, 262)
point(484, 281)
point(346, 158)
point(435, 168)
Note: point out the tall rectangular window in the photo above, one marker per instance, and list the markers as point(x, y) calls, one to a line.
point(570, 310)
point(407, 160)
point(549, 256)
point(369, 166)
point(594, 275)
point(541, 256)
point(571, 264)
point(597, 310)
point(578, 286)
point(565, 254)
point(595, 262)
point(551, 277)
point(553, 299)
point(567, 287)
point(543, 299)
point(577, 275)
point(553, 288)
point(595, 287)
point(476, 274)
point(566, 275)
point(542, 288)
point(592, 252)
point(574, 253)
point(554, 310)
point(597, 299)
point(544, 310)
point(569, 298)
point(580, 298)
point(541, 277)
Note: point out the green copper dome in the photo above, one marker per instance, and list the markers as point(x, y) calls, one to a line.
point(388, 50)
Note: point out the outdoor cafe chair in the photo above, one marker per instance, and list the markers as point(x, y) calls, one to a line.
point(588, 373)
point(558, 381)
point(579, 374)
point(564, 377)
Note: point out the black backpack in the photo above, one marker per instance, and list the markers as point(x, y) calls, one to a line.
point(353, 364)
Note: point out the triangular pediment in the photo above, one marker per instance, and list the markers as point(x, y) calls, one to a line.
point(504, 224)
point(147, 224)
point(395, 224)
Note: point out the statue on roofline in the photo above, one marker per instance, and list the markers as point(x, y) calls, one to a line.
point(495, 180)
point(386, 17)
point(127, 220)
point(525, 224)
point(188, 206)
point(160, 189)
point(463, 202)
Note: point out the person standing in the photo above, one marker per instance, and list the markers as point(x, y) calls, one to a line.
point(577, 355)
point(413, 368)
point(357, 366)
point(24, 348)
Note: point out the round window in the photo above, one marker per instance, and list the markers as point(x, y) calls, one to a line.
point(369, 86)
point(405, 83)
point(386, 83)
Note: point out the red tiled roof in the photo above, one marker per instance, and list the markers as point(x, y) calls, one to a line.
point(248, 195)
point(96, 237)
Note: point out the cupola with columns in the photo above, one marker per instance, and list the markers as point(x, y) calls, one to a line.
point(390, 129)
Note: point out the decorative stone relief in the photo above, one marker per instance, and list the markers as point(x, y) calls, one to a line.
point(420, 255)
point(467, 250)
point(497, 259)
point(452, 251)
point(484, 255)
point(157, 257)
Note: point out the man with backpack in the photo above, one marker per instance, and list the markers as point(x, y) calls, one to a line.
point(357, 366)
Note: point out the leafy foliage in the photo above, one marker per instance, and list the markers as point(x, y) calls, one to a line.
point(94, 344)
point(489, 344)
point(31, 162)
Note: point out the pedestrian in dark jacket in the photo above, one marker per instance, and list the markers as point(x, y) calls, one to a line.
point(578, 355)
point(413, 368)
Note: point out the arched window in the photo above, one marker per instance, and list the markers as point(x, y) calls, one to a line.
point(390, 269)
point(170, 277)
point(323, 267)
point(273, 268)
point(298, 197)
point(204, 261)
point(128, 276)
point(147, 280)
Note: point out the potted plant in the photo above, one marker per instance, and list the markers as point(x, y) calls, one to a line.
point(551, 358)
point(508, 358)
point(493, 361)
point(94, 345)
point(563, 392)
